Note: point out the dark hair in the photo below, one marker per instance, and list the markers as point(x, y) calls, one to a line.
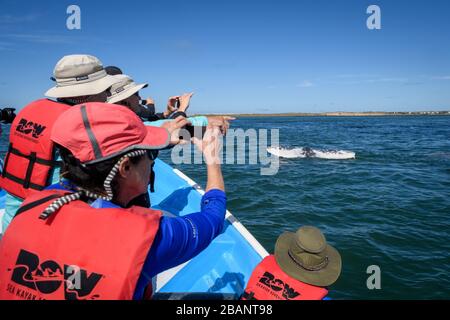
point(89, 177)
point(125, 103)
point(113, 70)
point(99, 97)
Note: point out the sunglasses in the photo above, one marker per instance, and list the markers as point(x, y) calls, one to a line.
point(152, 154)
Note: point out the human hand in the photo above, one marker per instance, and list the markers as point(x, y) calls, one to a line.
point(185, 99)
point(210, 145)
point(174, 126)
point(171, 106)
point(223, 122)
point(148, 101)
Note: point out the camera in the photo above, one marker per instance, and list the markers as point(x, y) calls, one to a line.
point(193, 131)
point(7, 115)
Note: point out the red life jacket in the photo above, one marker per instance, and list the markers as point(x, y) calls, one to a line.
point(30, 159)
point(269, 282)
point(78, 253)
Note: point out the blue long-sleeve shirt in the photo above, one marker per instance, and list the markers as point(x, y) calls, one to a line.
point(180, 239)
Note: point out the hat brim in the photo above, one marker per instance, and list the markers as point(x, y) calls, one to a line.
point(127, 93)
point(156, 139)
point(321, 278)
point(82, 89)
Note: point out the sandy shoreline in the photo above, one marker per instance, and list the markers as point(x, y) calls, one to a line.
point(335, 114)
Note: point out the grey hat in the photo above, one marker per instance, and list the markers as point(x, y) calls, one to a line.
point(124, 88)
point(306, 256)
point(79, 75)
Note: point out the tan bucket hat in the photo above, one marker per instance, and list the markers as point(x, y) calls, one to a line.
point(306, 256)
point(79, 75)
point(124, 88)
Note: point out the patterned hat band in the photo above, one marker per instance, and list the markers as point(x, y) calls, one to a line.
point(64, 82)
point(316, 267)
point(60, 202)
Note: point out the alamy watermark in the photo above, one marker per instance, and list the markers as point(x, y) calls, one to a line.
point(73, 21)
point(74, 280)
point(374, 280)
point(239, 147)
point(374, 20)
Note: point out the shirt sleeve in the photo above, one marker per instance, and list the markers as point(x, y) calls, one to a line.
point(199, 121)
point(179, 239)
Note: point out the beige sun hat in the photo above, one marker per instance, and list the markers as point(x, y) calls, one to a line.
point(124, 88)
point(79, 75)
point(306, 256)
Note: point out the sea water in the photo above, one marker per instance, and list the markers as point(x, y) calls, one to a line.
point(389, 206)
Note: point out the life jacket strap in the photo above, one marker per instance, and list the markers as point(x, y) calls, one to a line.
point(248, 296)
point(33, 186)
point(33, 159)
point(5, 164)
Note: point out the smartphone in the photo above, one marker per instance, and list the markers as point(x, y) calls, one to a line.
point(177, 103)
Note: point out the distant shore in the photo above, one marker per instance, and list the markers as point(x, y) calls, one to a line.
point(336, 114)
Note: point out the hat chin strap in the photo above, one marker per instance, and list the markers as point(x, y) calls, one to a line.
point(60, 202)
point(115, 169)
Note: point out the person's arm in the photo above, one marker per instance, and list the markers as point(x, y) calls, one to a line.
point(223, 122)
point(177, 114)
point(197, 121)
point(180, 239)
point(160, 116)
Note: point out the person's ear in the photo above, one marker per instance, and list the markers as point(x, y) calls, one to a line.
point(125, 168)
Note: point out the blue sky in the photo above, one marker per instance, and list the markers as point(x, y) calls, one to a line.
point(241, 55)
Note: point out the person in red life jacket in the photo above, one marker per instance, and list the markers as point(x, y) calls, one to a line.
point(86, 240)
point(303, 266)
point(31, 161)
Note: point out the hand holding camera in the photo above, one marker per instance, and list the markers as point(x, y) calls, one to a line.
point(178, 103)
